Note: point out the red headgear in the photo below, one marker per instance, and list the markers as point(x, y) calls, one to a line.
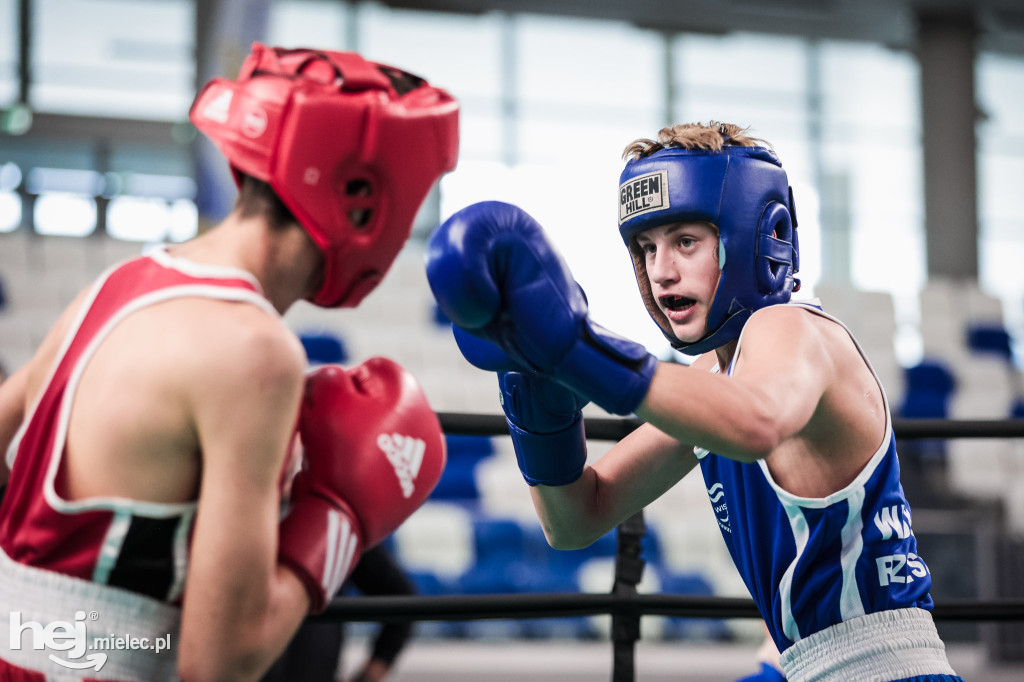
point(350, 146)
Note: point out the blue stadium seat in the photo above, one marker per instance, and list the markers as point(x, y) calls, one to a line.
point(1017, 409)
point(506, 563)
point(930, 385)
point(498, 568)
point(990, 339)
point(568, 561)
point(694, 584)
point(458, 481)
point(651, 544)
point(929, 388)
point(324, 348)
point(429, 584)
point(498, 541)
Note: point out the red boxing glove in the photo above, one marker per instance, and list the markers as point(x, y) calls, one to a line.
point(374, 451)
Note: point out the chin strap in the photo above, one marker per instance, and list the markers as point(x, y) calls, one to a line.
point(728, 331)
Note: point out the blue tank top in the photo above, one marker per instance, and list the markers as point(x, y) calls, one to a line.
point(810, 563)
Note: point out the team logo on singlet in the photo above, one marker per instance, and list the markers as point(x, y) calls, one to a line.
point(647, 192)
point(716, 494)
point(894, 522)
point(406, 455)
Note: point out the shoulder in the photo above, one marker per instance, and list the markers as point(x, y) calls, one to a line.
point(242, 345)
point(705, 362)
point(785, 336)
point(781, 314)
point(37, 369)
point(243, 387)
point(787, 324)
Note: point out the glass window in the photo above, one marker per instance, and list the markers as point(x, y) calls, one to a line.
point(589, 63)
point(8, 52)
point(113, 58)
point(571, 120)
point(10, 211)
point(65, 214)
point(65, 202)
point(31, 152)
point(870, 90)
point(761, 82)
point(577, 210)
point(152, 193)
point(184, 220)
point(166, 187)
point(170, 160)
point(870, 123)
point(138, 219)
point(757, 81)
point(1000, 92)
point(151, 219)
point(464, 54)
point(308, 23)
point(10, 201)
point(585, 89)
point(481, 129)
point(43, 180)
point(465, 58)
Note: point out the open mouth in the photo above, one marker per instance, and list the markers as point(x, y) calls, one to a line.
point(677, 303)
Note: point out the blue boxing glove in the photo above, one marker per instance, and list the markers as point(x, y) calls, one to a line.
point(545, 419)
point(494, 273)
point(483, 354)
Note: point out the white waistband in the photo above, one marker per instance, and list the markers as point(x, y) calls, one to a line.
point(881, 646)
point(92, 612)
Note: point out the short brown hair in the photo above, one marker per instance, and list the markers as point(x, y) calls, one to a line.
point(257, 198)
point(711, 136)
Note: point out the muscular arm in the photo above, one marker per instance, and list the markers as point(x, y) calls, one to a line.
point(781, 375)
point(638, 470)
point(240, 608)
point(778, 385)
point(20, 388)
point(12, 411)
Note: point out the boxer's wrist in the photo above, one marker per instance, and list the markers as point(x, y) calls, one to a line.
point(496, 275)
point(552, 459)
point(320, 543)
point(545, 422)
point(609, 370)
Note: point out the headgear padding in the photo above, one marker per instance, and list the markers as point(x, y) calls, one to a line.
point(350, 146)
point(744, 192)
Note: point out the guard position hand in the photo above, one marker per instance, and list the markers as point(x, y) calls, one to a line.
point(495, 275)
point(373, 452)
point(545, 419)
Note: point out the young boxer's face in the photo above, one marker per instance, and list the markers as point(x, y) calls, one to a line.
point(682, 266)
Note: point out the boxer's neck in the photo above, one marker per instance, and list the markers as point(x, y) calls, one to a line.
point(284, 261)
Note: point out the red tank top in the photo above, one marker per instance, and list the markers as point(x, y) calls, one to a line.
point(137, 545)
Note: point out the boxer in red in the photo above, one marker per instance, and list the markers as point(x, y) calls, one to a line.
point(142, 532)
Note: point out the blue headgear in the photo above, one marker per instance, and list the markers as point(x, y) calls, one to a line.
point(745, 193)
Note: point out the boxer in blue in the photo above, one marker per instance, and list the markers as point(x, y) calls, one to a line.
point(781, 410)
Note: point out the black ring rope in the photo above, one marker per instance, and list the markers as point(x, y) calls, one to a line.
point(610, 428)
point(624, 604)
point(570, 605)
point(629, 570)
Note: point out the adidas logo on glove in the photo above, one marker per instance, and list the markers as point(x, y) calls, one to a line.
point(406, 455)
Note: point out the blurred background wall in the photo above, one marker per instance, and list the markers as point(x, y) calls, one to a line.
point(900, 122)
